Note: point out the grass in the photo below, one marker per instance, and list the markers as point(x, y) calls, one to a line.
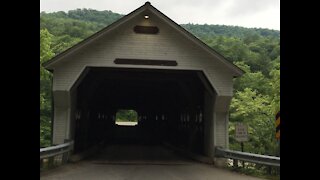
point(252, 169)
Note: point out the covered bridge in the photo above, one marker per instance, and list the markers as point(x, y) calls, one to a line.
point(179, 86)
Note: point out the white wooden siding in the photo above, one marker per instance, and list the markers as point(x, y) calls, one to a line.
point(59, 125)
point(220, 129)
point(124, 43)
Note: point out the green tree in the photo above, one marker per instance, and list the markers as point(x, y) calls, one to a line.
point(45, 89)
point(255, 110)
point(275, 86)
point(61, 43)
point(127, 115)
point(253, 80)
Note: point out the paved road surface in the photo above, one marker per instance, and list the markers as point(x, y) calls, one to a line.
point(140, 162)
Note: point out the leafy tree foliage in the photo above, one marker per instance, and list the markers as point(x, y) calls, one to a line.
point(127, 115)
point(252, 108)
point(75, 25)
point(45, 89)
point(206, 30)
point(253, 80)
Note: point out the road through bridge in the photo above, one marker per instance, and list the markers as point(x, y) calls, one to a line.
point(136, 162)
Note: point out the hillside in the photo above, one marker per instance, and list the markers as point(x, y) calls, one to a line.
point(93, 20)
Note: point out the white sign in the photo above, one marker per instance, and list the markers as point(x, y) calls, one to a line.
point(241, 132)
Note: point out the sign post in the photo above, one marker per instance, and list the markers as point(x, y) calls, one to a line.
point(241, 135)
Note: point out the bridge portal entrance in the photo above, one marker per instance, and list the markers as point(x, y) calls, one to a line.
point(170, 107)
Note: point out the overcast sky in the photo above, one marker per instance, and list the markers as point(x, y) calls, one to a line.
point(246, 13)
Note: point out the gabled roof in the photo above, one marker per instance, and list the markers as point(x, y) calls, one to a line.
point(124, 19)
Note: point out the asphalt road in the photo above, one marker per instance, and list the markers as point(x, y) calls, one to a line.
point(140, 162)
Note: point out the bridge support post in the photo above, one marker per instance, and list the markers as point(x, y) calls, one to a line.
point(221, 126)
point(61, 123)
point(220, 162)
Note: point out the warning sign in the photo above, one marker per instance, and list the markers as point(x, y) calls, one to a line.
point(278, 125)
point(241, 132)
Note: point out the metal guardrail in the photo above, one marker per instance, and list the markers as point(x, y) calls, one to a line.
point(55, 150)
point(54, 155)
point(248, 157)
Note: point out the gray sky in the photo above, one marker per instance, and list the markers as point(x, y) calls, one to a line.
point(246, 13)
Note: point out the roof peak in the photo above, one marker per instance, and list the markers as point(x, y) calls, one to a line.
point(147, 3)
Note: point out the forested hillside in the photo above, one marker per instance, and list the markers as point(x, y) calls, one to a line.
point(257, 51)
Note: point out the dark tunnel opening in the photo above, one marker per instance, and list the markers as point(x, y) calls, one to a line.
point(169, 103)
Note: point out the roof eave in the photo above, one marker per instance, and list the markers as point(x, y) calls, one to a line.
point(237, 71)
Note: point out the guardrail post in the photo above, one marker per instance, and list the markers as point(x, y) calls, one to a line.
point(41, 163)
point(65, 156)
point(50, 162)
point(269, 170)
point(235, 164)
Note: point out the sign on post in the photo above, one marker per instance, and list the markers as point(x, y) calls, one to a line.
point(241, 132)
